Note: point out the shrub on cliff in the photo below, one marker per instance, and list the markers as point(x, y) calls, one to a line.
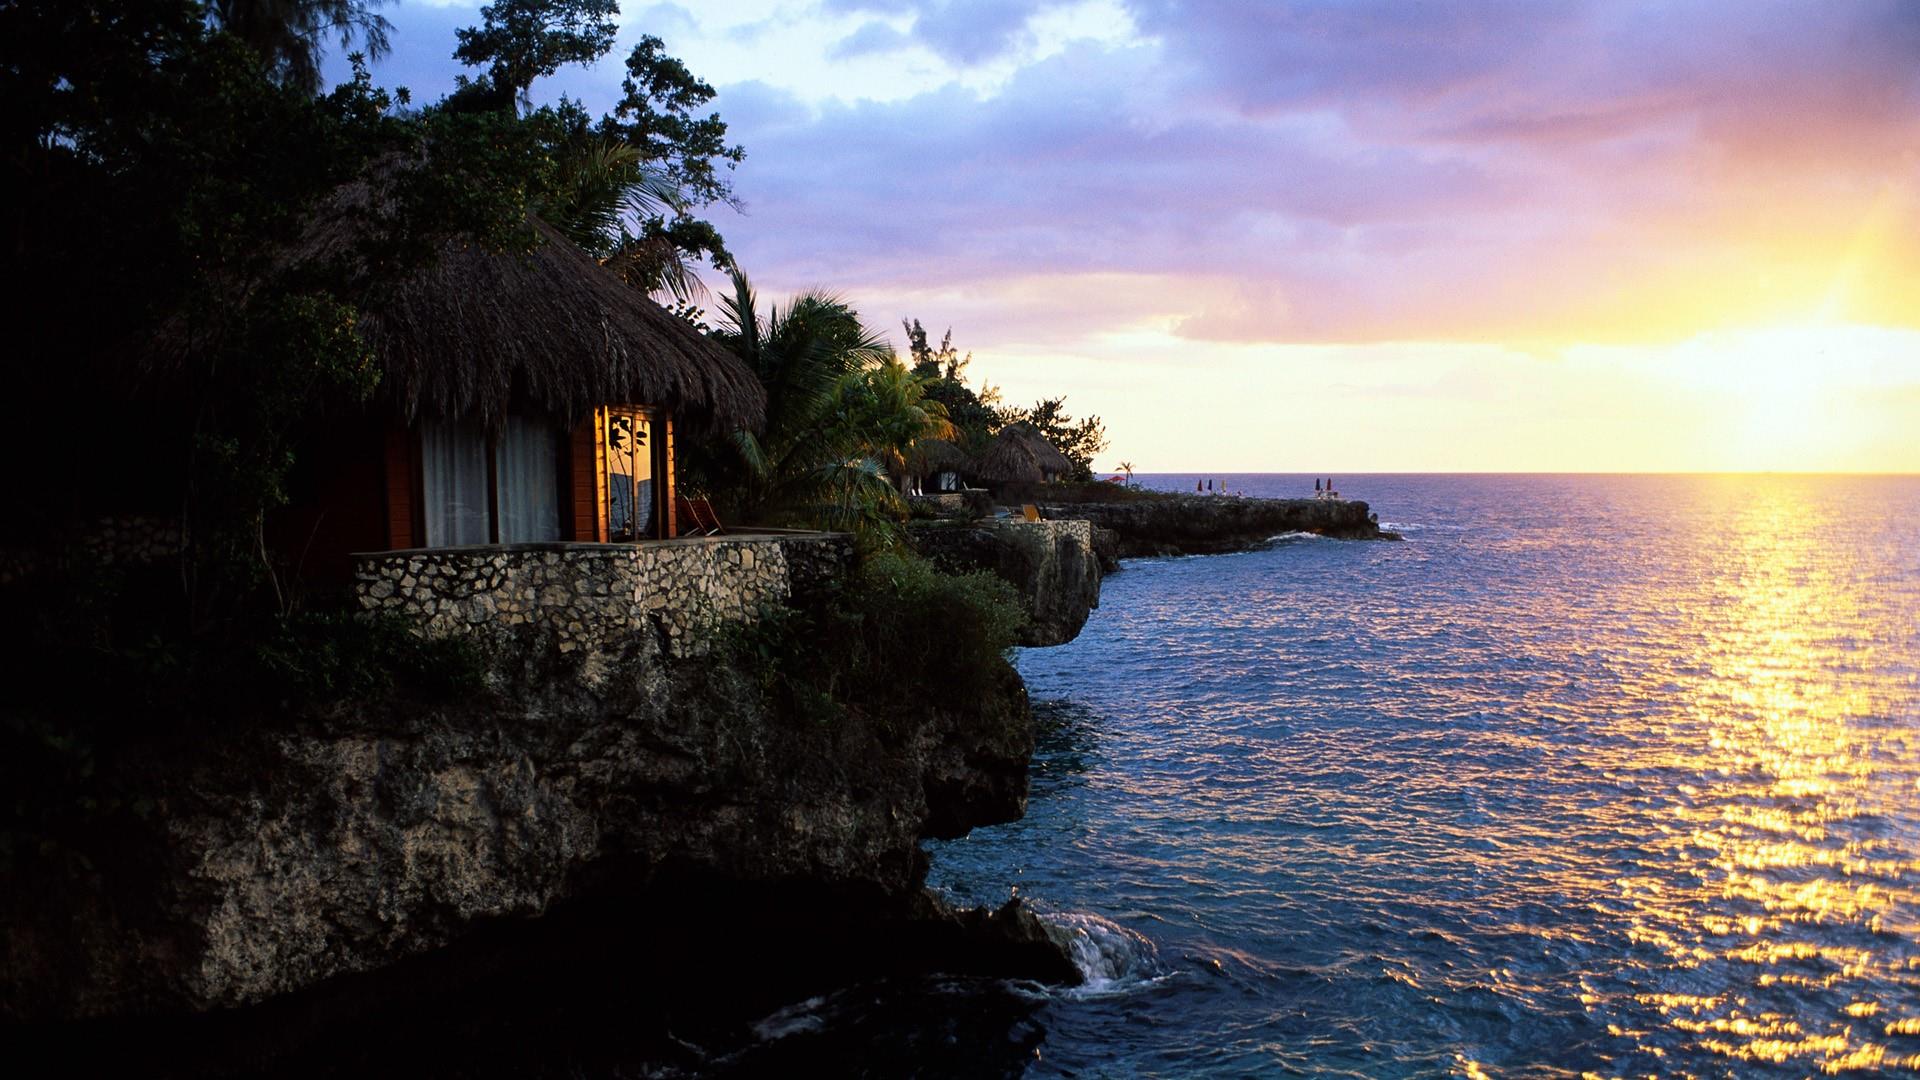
point(897, 630)
point(920, 626)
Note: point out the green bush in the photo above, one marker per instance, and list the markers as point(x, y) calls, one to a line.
point(335, 656)
point(921, 625)
point(104, 650)
point(898, 630)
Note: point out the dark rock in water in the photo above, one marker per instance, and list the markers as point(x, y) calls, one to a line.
point(1215, 524)
point(1052, 564)
point(981, 942)
point(662, 818)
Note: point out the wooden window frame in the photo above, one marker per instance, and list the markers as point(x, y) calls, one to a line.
point(582, 476)
point(417, 478)
point(660, 458)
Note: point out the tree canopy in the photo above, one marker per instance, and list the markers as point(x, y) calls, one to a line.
point(290, 35)
point(519, 41)
point(1079, 440)
point(628, 185)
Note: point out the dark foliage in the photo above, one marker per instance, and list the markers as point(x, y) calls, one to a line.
point(898, 631)
point(289, 35)
point(519, 41)
point(1079, 441)
point(104, 674)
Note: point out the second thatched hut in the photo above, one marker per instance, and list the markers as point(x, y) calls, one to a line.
point(1019, 454)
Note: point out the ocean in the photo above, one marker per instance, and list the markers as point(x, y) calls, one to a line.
point(1592, 775)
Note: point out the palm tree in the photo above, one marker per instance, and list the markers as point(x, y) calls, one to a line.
point(1127, 467)
point(811, 461)
point(290, 35)
point(604, 190)
point(887, 409)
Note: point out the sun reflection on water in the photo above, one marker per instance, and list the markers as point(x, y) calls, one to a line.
point(1792, 772)
point(1612, 777)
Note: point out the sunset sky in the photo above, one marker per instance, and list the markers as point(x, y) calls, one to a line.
point(1503, 235)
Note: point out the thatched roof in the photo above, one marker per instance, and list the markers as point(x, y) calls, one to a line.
point(1049, 456)
point(1019, 454)
point(938, 455)
point(1009, 462)
point(552, 328)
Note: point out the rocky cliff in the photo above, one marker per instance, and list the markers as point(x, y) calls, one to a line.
point(1213, 524)
point(313, 855)
point(1052, 564)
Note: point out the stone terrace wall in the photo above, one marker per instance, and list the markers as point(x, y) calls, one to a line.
point(125, 539)
point(592, 597)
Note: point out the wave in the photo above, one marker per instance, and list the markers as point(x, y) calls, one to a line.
point(1418, 526)
point(1288, 537)
point(1112, 959)
point(800, 1018)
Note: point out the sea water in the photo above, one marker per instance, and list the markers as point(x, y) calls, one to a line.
point(1595, 775)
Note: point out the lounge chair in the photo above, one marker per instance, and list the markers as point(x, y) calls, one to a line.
point(698, 519)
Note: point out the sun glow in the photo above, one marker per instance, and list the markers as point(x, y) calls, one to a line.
point(1796, 396)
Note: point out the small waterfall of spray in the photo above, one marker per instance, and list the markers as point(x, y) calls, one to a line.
point(1111, 958)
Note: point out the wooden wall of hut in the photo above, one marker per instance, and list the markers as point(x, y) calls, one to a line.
point(337, 503)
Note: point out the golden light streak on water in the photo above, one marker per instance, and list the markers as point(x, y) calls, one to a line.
point(1613, 776)
point(1789, 759)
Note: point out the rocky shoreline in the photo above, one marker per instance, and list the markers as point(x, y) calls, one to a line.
point(632, 829)
point(1055, 566)
point(1215, 524)
point(301, 879)
point(624, 831)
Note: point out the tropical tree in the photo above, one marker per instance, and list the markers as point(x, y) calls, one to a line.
point(601, 193)
point(886, 409)
point(519, 41)
point(811, 461)
point(290, 35)
point(974, 413)
point(1079, 440)
point(1127, 467)
point(630, 184)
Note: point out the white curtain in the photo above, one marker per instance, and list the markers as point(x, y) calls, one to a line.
point(453, 468)
point(527, 464)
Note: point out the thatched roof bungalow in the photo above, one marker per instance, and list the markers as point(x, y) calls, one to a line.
point(480, 334)
point(524, 397)
point(939, 464)
point(1019, 454)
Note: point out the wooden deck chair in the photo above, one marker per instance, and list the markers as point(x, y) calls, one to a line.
point(1029, 512)
point(698, 519)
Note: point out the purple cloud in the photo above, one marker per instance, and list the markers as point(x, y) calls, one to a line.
point(873, 37)
point(965, 32)
point(1319, 170)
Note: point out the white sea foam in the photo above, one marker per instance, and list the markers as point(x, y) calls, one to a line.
point(1112, 959)
point(1291, 536)
point(795, 1019)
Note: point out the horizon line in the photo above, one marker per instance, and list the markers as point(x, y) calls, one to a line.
point(1514, 472)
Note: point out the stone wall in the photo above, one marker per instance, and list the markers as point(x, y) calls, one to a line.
point(589, 597)
point(114, 540)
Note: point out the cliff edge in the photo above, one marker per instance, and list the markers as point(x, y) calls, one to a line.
point(1216, 524)
point(1053, 565)
point(667, 817)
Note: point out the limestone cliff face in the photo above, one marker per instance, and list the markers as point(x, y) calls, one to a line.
point(1052, 564)
point(286, 855)
point(1213, 524)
